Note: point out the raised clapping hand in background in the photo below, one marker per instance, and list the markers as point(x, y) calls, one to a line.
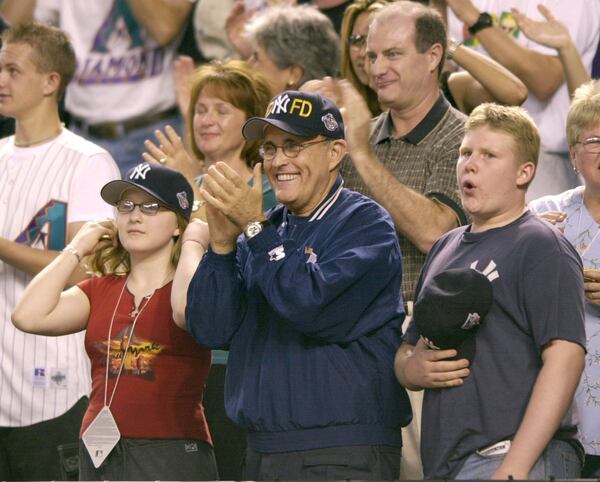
point(550, 33)
point(354, 110)
point(171, 153)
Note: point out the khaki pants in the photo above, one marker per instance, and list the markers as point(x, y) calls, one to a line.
point(410, 465)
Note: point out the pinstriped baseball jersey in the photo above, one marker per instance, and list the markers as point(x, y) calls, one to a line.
point(42, 190)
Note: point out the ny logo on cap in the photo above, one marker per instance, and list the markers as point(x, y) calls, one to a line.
point(300, 107)
point(279, 105)
point(140, 171)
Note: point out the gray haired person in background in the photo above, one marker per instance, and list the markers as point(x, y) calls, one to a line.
point(293, 44)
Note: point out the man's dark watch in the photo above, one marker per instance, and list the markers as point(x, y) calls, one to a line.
point(484, 21)
point(255, 227)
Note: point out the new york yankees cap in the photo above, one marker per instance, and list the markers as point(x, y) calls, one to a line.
point(168, 186)
point(451, 307)
point(303, 114)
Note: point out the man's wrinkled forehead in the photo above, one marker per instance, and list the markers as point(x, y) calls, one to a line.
point(386, 31)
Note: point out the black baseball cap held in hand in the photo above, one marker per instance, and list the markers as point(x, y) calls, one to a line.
point(450, 309)
point(303, 114)
point(169, 187)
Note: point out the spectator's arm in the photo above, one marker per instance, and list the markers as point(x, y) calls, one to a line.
point(542, 74)
point(418, 217)
point(163, 19)
point(418, 367)
point(45, 308)
point(32, 260)
point(552, 394)
point(216, 300)
point(421, 219)
point(194, 243)
point(554, 34)
point(17, 11)
point(484, 80)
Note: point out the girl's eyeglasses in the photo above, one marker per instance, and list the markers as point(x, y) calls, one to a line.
point(125, 206)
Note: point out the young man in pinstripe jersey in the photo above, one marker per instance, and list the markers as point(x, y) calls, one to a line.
point(50, 185)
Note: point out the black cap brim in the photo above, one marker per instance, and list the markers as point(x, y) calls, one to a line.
point(254, 128)
point(112, 192)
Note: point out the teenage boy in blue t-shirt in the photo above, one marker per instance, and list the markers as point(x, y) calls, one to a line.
point(507, 412)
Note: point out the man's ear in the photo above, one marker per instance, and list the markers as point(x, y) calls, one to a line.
point(525, 174)
point(435, 56)
point(336, 152)
point(296, 74)
point(52, 83)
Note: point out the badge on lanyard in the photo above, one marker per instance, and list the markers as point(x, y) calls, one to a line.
point(101, 436)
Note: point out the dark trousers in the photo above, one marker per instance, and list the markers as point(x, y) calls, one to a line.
point(228, 438)
point(363, 462)
point(149, 459)
point(43, 451)
point(591, 467)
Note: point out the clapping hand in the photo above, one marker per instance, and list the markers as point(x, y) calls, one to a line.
point(550, 32)
point(171, 153)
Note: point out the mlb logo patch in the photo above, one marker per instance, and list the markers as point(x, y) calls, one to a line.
point(58, 378)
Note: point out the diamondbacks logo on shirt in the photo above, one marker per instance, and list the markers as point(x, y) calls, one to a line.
point(122, 51)
point(119, 31)
point(48, 227)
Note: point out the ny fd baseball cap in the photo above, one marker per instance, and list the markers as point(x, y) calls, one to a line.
point(168, 186)
point(303, 114)
point(450, 309)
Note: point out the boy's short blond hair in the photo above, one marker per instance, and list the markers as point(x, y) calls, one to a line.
point(512, 120)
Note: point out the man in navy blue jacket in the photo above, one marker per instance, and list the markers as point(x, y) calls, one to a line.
point(308, 303)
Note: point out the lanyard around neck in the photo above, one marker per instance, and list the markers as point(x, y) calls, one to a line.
point(112, 396)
